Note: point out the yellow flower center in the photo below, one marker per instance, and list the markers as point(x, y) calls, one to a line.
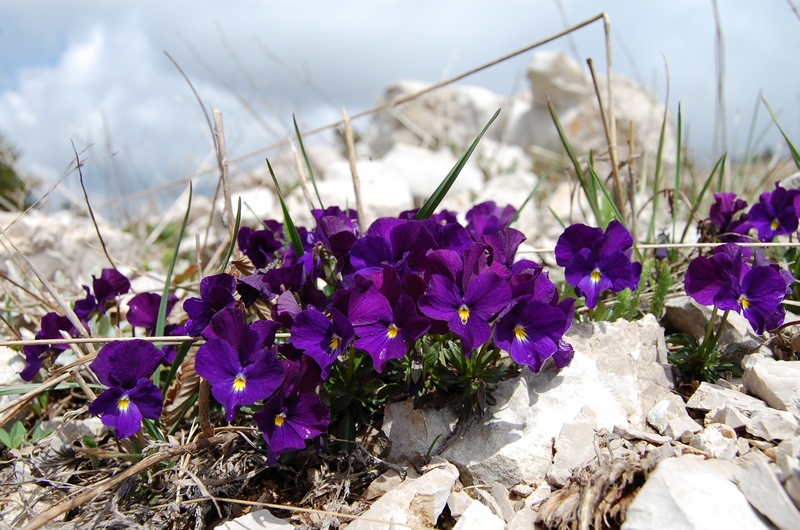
point(280, 419)
point(392, 331)
point(595, 275)
point(124, 403)
point(463, 312)
point(775, 224)
point(744, 303)
point(335, 342)
point(520, 332)
point(239, 383)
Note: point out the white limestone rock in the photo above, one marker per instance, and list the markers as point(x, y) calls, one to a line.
point(574, 446)
point(718, 440)
point(618, 369)
point(12, 362)
point(727, 415)
point(258, 520)
point(415, 431)
point(669, 417)
point(692, 494)
point(424, 170)
point(687, 316)
point(415, 502)
point(776, 382)
point(771, 424)
point(478, 517)
point(762, 488)
point(710, 396)
point(458, 502)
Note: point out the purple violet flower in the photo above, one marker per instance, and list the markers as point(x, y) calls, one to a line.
point(595, 261)
point(721, 214)
point(295, 413)
point(108, 286)
point(487, 218)
point(466, 310)
point(216, 293)
point(238, 360)
point(37, 354)
point(125, 367)
point(727, 283)
point(775, 213)
point(386, 325)
point(143, 310)
point(531, 332)
point(260, 245)
point(397, 242)
point(323, 339)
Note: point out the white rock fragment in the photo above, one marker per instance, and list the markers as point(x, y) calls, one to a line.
point(478, 517)
point(718, 440)
point(415, 502)
point(669, 417)
point(574, 446)
point(771, 424)
point(635, 434)
point(415, 431)
point(500, 495)
point(709, 396)
point(383, 484)
point(525, 519)
point(693, 494)
point(727, 415)
point(762, 488)
point(11, 363)
point(618, 370)
point(458, 502)
point(776, 382)
point(258, 520)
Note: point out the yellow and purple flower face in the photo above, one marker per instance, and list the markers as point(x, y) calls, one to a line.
point(595, 261)
point(125, 367)
point(725, 281)
point(238, 360)
point(775, 213)
point(321, 338)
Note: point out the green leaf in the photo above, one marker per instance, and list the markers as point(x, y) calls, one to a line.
point(719, 165)
point(651, 230)
point(439, 194)
point(234, 239)
point(677, 188)
point(17, 434)
point(162, 309)
point(39, 432)
point(795, 154)
point(287, 219)
point(609, 200)
point(586, 184)
point(308, 163)
point(5, 439)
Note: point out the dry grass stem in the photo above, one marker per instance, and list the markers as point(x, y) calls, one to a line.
point(78, 164)
point(222, 161)
point(351, 155)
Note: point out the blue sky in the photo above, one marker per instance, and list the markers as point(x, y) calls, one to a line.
point(95, 72)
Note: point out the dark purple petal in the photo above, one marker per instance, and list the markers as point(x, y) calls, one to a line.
point(487, 294)
point(530, 335)
point(575, 238)
point(564, 354)
point(143, 309)
point(705, 279)
point(442, 299)
point(111, 284)
point(615, 238)
point(123, 363)
point(118, 411)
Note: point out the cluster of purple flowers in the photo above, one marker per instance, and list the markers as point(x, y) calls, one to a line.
point(383, 290)
point(727, 282)
point(775, 214)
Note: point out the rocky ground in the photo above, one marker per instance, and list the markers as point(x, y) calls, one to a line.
point(609, 441)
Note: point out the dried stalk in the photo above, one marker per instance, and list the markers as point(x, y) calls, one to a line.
point(351, 155)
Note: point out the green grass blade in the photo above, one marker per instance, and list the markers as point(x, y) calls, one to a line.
point(586, 185)
point(557, 218)
point(597, 183)
point(287, 219)
point(162, 309)
point(235, 237)
point(719, 165)
point(438, 195)
point(795, 154)
point(651, 230)
point(308, 163)
point(677, 188)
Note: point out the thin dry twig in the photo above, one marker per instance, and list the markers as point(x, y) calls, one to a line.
point(351, 155)
point(166, 454)
point(79, 164)
point(222, 161)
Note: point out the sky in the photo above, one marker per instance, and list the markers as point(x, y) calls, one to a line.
point(97, 74)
